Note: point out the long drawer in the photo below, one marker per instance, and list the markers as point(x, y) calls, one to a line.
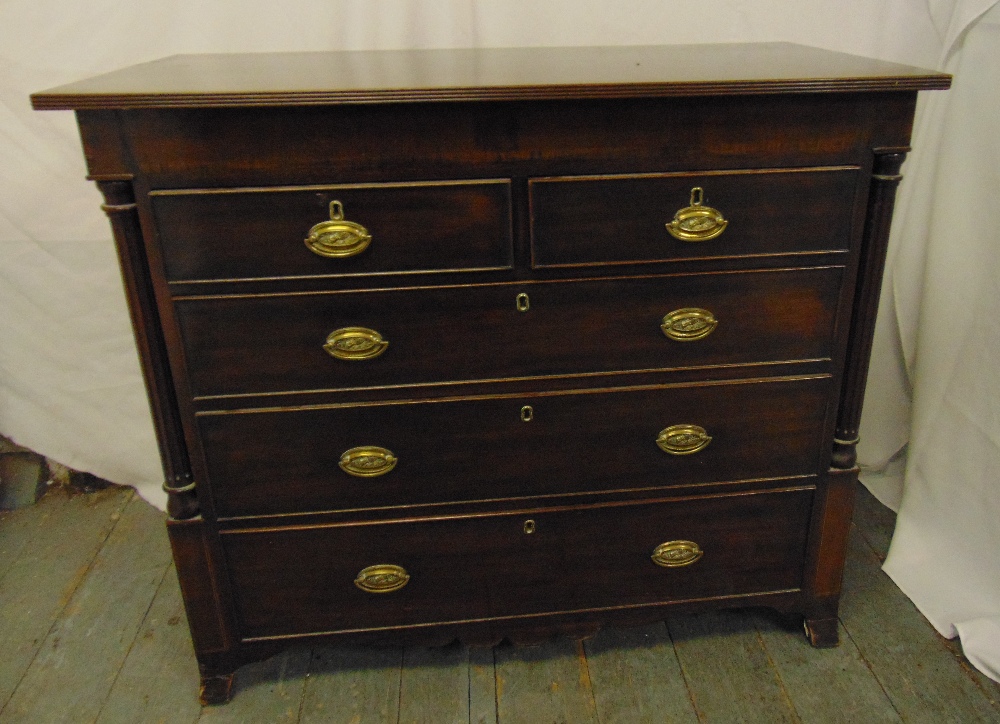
point(580, 221)
point(366, 576)
point(265, 232)
point(424, 335)
point(412, 453)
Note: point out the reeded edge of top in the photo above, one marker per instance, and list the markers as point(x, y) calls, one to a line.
point(338, 77)
point(43, 101)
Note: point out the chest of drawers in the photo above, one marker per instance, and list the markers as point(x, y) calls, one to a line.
point(500, 343)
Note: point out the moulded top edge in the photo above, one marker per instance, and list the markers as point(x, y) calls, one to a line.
point(483, 74)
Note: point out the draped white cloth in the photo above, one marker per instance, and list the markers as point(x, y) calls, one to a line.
point(935, 381)
point(70, 385)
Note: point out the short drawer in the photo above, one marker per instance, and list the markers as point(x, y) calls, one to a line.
point(579, 221)
point(313, 580)
point(417, 453)
point(440, 334)
point(262, 233)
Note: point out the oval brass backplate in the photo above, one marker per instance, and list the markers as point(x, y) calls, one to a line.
point(697, 222)
point(677, 553)
point(683, 439)
point(338, 238)
point(689, 324)
point(355, 344)
point(368, 461)
point(383, 578)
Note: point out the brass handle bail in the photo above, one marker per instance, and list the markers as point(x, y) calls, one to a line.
point(382, 578)
point(338, 238)
point(689, 324)
point(368, 461)
point(683, 439)
point(697, 222)
point(355, 344)
point(677, 553)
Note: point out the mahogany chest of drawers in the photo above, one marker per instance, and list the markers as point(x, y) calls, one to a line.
point(500, 343)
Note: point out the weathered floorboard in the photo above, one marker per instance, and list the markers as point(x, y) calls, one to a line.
point(159, 680)
point(547, 683)
point(17, 528)
point(266, 691)
point(916, 670)
point(112, 600)
point(824, 685)
point(727, 669)
point(875, 522)
point(63, 535)
point(353, 684)
point(434, 686)
point(636, 677)
point(482, 686)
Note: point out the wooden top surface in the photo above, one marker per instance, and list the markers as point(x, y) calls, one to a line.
point(288, 79)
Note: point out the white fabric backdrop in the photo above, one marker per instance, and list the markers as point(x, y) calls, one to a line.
point(70, 385)
point(935, 379)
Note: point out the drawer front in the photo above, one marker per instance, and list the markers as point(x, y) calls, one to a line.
point(463, 450)
point(261, 233)
point(622, 219)
point(272, 344)
point(300, 581)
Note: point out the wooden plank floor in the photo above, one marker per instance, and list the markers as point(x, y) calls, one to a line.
point(92, 629)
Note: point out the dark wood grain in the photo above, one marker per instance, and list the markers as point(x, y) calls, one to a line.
point(254, 233)
point(480, 449)
point(210, 625)
point(186, 148)
point(121, 209)
point(859, 345)
point(485, 568)
point(484, 74)
point(475, 333)
point(620, 219)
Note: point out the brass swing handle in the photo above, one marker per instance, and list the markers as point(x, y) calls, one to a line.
point(697, 222)
point(382, 578)
point(368, 461)
point(338, 238)
point(688, 324)
point(677, 553)
point(355, 344)
point(683, 439)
